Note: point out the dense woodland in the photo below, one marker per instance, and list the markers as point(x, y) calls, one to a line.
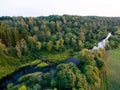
point(24, 39)
point(55, 32)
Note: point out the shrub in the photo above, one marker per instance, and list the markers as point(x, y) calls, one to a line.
point(22, 88)
point(10, 85)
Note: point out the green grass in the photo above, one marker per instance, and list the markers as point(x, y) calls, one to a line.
point(113, 63)
point(55, 57)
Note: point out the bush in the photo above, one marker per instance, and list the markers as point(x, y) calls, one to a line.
point(22, 88)
point(10, 85)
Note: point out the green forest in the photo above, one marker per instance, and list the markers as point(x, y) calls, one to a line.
point(48, 40)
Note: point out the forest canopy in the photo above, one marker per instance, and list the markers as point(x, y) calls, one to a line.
point(56, 33)
point(53, 39)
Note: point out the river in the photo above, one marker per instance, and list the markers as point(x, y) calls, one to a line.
point(13, 78)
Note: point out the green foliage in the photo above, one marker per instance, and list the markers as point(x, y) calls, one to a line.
point(10, 85)
point(81, 89)
point(29, 77)
point(23, 39)
point(18, 49)
point(68, 76)
point(81, 32)
point(92, 65)
point(46, 79)
point(87, 57)
point(92, 75)
point(55, 89)
point(22, 88)
point(100, 63)
point(41, 65)
point(36, 80)
point(39, 45)
point(56, 57)
point(2, 46)
point(36, 87)
point(49, 45)
point(35, 62)
point(12, 52)
point(16, 87)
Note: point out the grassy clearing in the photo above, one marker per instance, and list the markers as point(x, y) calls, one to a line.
point(113, 63)
point(55, 57)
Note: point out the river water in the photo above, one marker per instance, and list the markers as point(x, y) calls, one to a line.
point(13, 78)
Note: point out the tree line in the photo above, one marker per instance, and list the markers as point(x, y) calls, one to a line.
point(56, 33)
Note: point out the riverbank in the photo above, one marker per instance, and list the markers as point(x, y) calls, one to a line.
point(49, 58)
point(13, 78)
point(10, 64)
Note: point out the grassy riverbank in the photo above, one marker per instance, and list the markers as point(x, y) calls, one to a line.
point(10, 64)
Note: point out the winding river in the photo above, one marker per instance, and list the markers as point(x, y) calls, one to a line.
point(13, 78)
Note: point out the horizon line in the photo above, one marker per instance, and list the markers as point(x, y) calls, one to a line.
point(56, 15)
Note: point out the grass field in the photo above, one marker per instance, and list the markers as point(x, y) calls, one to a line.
point(113, 63)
